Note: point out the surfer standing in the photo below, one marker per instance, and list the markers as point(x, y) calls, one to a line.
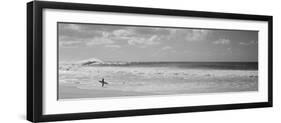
point(103, 82)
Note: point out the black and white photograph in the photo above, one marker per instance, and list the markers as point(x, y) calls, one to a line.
point(91, 61)
point(98, 60)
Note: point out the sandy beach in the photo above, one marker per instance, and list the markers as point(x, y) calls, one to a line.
point(82, 82)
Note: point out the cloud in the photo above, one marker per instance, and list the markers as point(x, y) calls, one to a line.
point(191, 35)
point(113, 46)
point(197, 35)
point(144, 41)
point(102, 40)
point(99, 41)
point(123, 32)
point(222, 42)
point(166, 48)
point(76, 31)
point(89, 35)
point(150, 30)
point(81, 35)
point(110, 35)
point(248, 43)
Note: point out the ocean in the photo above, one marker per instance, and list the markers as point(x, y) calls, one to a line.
point(186, 65)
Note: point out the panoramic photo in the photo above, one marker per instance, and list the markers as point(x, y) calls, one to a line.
point(107, 60)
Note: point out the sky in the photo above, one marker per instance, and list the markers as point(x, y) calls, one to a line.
point(142, 43)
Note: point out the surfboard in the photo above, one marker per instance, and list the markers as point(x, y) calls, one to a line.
point(103, 82)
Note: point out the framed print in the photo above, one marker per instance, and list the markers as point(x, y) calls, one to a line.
point(88, 61)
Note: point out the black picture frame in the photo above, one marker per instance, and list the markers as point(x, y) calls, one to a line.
point(35, 59)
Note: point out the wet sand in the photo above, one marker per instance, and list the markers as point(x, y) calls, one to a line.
point(71, 92)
